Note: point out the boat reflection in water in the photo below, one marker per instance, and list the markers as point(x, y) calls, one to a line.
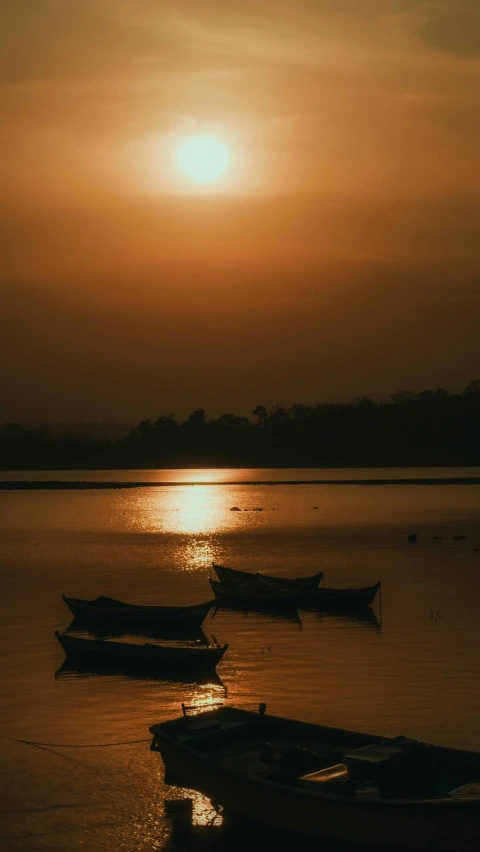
point(279, 611)
point(197, 825)
point(71, 669)
point(364, 618)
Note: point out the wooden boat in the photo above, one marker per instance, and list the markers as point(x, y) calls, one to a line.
point(325, 598)
point(110, 611)
point(254, 594)
point(234, 577)
point(326, 783)
point(161, 657)
point(180, 632)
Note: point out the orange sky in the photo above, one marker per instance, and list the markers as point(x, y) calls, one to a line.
point(338, 257)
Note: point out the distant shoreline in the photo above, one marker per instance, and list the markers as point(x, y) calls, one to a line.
point(58, 485)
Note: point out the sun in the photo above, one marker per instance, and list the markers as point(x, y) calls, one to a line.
point(203, 159)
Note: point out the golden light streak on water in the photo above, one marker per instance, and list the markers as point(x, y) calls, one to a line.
point(183, 510)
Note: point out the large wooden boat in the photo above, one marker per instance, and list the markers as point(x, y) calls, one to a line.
point(108, 611)
point(234, 577)
point(324, 782)
point(161, 657)
point(264, 594)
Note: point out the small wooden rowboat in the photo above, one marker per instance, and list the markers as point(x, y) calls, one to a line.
point(326, 783)
point(325, 598)
point(262, 594)
point(234, 577)
point(148, 655)
point(314, 599)
point(109, 611)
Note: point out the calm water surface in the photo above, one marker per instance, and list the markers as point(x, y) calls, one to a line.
point(411, 669)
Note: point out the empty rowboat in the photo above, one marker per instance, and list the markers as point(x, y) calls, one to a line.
point(149, 655)
point(233, 577)
point(108, 611)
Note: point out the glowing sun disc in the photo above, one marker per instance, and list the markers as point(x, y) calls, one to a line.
point(203, 159)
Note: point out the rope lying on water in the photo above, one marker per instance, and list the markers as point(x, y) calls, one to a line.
point(74, 745)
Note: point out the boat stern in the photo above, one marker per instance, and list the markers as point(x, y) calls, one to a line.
point(176, 738)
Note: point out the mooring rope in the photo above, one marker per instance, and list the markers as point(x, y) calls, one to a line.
point(74, 745)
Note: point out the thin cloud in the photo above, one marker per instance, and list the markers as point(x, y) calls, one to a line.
point(453, 26)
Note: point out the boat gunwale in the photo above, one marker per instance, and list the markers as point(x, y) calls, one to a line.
point(133, 609)
point(92, 645)
point(238, 577)
point(326, 591)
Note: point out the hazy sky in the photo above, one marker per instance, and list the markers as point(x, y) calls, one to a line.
point(339, 256)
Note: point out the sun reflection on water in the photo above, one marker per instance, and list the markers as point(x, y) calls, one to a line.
point(207, 700)
point(206, 696)
point(204, 475)
point(189, 510)
point(197, 809)
point(203, 812)
point(198, 553)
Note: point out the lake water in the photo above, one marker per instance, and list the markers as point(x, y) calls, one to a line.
point(412, 669)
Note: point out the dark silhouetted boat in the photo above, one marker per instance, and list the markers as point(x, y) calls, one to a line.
point(326, 783)
point(160, 657)
point(108, 611)
point(263, 594)
point(148, 631)
point(312, 599)
point(335, 599)
point(233, 577)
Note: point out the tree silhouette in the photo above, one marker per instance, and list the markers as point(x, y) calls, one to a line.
point(472, 388)
point(433, 427)
point(260, 412)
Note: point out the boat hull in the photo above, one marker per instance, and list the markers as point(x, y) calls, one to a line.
point(383, 828)
point(118, 614)
point(233, 577)
point(259, 596)
point(162, 658)
point(313, 599)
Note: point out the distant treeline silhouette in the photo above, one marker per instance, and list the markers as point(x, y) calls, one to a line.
point(433, 427)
